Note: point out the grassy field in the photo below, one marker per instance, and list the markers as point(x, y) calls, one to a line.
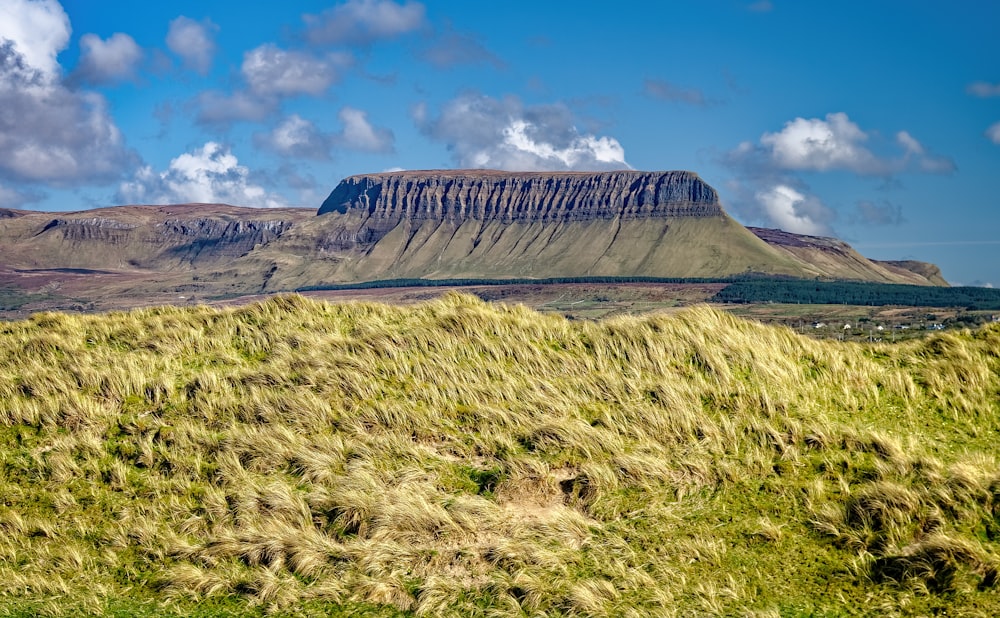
point(462, 458)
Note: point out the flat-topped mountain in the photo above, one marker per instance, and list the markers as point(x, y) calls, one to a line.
point(432, 224)
point(493, 224)
point(475, 223)
point(460, 195)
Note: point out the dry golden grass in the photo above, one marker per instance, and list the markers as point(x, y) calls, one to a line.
point(459, 458)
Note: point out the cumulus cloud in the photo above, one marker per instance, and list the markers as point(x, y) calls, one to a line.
point(453, 48)
point(881, 213)
point(832, 143)
point(781, 201)
point(49, 133)
point(110, 60)
point(666, 91)
point(270, 70)
point(193, 41)
point(210, 174)
point(359, 134)
point(363, 22)
point(38, 29)
point(983, 89)
point(483, 132)
point(993, 133)
point(271, 74)
point(297, 137)
point(767, 186)
point(820, 145)
point(794, 211)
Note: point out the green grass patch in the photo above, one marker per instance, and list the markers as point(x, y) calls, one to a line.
point(295, 457)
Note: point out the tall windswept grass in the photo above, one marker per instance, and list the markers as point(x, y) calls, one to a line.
point(459, 458)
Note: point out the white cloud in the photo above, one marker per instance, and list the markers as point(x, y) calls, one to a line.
point(270, 70)
point(210, 174)
point(794, 211)
point(993, 133)
point(359, 134)
point(103, 61)
point(193, 41)
point(766, 187)
point(298, 137)
point(820, 145)
point(925, 162)
point(483, 132)
point(830, 144)
point(40, 29)
point(909, 143)
point(49, 133)
point(363, 22)
point(983, 89)
point(271, 74)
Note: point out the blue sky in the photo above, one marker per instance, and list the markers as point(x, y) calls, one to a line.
point(876, 122)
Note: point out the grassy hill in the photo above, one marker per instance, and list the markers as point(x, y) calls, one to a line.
point(459, 458)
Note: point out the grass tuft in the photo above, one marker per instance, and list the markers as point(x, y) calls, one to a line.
point(459, 458)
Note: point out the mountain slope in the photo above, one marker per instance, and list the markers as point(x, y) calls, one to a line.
point(666, 247)
point(834, 259)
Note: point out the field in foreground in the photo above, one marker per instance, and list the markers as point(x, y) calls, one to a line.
point(461, 458)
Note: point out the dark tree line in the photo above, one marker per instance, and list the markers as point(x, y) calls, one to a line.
point(857, 293)
point(747, 289)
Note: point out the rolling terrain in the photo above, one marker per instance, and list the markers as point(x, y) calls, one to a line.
point(461, 458)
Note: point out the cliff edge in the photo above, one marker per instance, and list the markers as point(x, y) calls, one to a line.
point(524, 197)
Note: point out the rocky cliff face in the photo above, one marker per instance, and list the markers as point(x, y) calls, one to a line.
point(525, 197)
point(177, 240)
point(153, 237)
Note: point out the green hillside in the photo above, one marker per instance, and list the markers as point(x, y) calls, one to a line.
point(459, 458)
point(665, 247)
